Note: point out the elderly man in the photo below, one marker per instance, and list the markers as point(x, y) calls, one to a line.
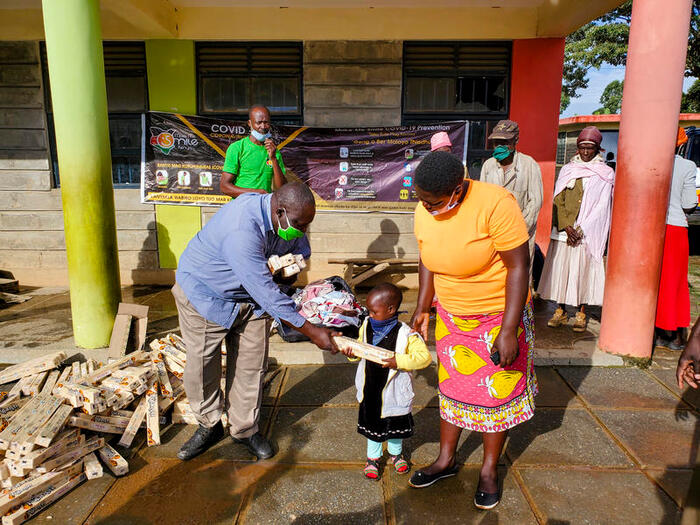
point(518, 173)
point(253, 162)
point(224, 290)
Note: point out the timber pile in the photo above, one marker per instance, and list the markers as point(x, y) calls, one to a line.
point(56, 420)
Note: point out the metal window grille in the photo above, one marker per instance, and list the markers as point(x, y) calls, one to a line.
point(458, 80)
point(233, 76)
point(127, 98)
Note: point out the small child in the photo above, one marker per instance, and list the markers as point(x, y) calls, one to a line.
point(385, 392)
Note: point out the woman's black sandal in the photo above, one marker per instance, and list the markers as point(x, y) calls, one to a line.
point(485, 501)
point(420, 479)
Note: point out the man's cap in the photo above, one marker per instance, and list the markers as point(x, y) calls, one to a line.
point(505, 130)
point(440, 140)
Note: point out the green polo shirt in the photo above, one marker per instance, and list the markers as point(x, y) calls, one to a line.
point(249, 163)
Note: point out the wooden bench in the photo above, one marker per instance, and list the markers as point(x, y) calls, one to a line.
point(359, 269)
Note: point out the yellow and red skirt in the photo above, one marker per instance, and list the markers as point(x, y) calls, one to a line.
point(474, 393)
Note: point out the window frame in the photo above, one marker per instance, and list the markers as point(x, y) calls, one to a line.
point(294, 119)
point(48, 109)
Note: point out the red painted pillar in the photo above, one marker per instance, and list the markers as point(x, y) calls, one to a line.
point(648, 126)
point(536, 75)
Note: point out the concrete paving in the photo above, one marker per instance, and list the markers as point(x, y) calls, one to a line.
point(608, 444)
point(588, 456)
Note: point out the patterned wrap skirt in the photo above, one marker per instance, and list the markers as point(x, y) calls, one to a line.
point(474, 393)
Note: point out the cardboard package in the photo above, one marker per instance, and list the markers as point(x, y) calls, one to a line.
point(129, 332)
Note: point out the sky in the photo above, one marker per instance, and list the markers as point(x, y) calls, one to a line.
point(589, 100)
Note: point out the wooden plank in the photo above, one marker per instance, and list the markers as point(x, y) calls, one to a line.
point(72, 454)
point(152, 415)
point(24, 490)
point(95, 426)
point(363, 350)
point(377, 269)
point(67, 439)
point(369, 260)
point(114, 461)
point(166, 390)
point(32, 508)
point(33, 366)
point(53, 426)
point(93, 467)
point(134, 423)
point(50, 382)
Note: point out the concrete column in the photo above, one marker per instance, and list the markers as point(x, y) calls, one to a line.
point(79, 100)
point(650, 106)
point(535, 95)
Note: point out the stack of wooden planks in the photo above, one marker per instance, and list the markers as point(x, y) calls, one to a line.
point(57, 418)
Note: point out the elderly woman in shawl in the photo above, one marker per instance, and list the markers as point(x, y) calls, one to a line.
point(573, 272)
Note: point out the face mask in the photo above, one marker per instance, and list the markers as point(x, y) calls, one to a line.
point(450, 205)
point(260, 137)
point(290, 232)
point(501, 152)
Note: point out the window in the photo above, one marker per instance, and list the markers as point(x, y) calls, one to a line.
point(127, 98)
point(233, 76)
point(458, 81)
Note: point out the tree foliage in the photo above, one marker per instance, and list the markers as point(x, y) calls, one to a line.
point(604, 40)
point(611, 99)
point(690, 103)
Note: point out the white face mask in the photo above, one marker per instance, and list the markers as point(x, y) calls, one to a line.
point(450, 206)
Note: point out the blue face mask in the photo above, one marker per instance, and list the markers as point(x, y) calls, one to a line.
point(501, 152)
point(260, 137)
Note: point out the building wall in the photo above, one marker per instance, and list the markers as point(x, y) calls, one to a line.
point(32, 243)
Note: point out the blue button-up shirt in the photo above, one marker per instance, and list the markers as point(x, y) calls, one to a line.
point(226, 263)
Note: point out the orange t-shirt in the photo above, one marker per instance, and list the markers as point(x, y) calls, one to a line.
point(461, 248)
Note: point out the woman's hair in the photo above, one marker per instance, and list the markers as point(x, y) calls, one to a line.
point(439, 173)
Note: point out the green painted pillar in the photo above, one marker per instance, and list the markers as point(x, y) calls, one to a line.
point(79, 100)
point(172, 88)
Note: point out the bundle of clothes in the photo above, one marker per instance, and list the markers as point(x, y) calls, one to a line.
point(329, 302)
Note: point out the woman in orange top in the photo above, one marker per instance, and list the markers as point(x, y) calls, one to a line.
point(474, 256)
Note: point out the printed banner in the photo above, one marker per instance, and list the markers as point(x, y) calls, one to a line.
point(346, 168)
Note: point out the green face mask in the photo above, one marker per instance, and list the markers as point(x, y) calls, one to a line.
point(501, 152)
point(290, 232)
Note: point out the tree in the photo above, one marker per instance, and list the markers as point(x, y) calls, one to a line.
point(604, 40)
point(690, 103)
point(611, 98)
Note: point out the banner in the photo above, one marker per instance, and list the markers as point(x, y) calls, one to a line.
point(346, 168)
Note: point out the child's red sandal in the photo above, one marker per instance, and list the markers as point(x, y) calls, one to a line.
point(400, 464)
point(371, 470)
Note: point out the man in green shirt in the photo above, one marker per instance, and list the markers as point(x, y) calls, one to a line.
point(253, 162)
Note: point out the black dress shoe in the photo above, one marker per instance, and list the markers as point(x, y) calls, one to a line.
point(202, 439)
point(485, 501)
point(258, 445)
point(420, 479)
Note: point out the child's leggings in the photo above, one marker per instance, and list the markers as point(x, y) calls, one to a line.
point(374, 448)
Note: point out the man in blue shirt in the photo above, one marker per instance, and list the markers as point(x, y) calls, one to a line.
point(224, 290)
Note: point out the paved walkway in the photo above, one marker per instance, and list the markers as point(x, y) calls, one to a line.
point(607, 445)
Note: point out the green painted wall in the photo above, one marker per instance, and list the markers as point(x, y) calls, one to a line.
point(172, 87)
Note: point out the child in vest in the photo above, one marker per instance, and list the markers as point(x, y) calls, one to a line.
point(385, 392)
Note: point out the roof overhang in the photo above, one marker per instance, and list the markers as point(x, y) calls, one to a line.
point(320, 19)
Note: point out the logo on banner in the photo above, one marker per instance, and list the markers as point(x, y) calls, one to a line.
point(403, 195)
point(344, 166)
point(343, 180)
point(205, 178)
point(166, 140)
point(407, 181)
point(344, 152)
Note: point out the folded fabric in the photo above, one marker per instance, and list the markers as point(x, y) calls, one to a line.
point(320, 303)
